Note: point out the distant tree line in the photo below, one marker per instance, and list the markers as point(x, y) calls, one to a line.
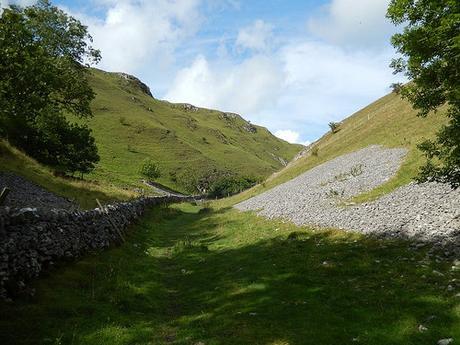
point(43, 67)
point(213, 181)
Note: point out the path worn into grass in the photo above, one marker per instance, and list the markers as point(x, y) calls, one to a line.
point(209, 277)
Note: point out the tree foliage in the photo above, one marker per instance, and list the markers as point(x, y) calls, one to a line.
point(43, 67)
point(214, 182)
point(430, 57)
point(230, 185)
point(334, 126)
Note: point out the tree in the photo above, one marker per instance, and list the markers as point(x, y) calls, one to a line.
point(430, 49)
point(334, 126)
point(44, 58)
point(230, 185)
point(396, 88)
point(150, 170)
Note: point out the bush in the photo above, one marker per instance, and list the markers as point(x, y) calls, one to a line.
point(123, 121)
point(334, 126)
point(150, 170)
point(230, 185)
point(65, 146)
point(194, 181)
point(396, 88)
point(314, 151)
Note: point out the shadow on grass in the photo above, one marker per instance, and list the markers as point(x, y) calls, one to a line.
point(186, 277)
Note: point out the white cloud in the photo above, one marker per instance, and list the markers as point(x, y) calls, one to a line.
point(292, 85)
point(256, 37)
point(325, 83)
point(288, 135)
point(244, 88)
point(6, 3)
point(353, 22)
point(304, 84)
point(135, 34)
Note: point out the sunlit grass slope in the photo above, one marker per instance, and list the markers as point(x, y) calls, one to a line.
point(188, 275)
point(390, 122)
point(130, 126)
point(82, 192)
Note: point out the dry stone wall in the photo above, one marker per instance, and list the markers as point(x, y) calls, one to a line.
point(32, 239)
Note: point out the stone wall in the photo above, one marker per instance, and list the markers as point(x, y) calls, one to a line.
point(32, 239)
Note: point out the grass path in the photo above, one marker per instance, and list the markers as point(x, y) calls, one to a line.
point(198, 276)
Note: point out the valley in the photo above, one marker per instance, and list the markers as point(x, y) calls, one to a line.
point(142, 202)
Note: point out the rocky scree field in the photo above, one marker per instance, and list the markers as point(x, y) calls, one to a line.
point(428, 212)
point(390, 121)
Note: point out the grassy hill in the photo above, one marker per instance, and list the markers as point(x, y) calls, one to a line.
point(390, 121)
point(129, 126)
point(82, 192)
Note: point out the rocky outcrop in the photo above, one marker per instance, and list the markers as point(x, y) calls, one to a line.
point(230, 116)
point(186, 107)
point(136, 83)
point(32, 239)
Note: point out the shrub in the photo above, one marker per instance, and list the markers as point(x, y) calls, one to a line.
point(150, 170)
point(230, 185)
point(65, 146)
point(356, 170)
point(122, 120)
point(396, 88)
point(334, 126)
point(314, 151)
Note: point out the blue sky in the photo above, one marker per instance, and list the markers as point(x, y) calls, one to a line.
point(292, 66)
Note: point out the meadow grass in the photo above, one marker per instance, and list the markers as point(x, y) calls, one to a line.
point(84, 193)
point(129, 126)
point(201, 275)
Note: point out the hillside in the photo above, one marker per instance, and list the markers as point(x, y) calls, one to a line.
point(84, 193)
point(130, 125)
point(389, 121)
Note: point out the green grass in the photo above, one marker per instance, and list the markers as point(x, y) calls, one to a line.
point(390, 121)
point(130, 126)
point(215, 276)
point(84, 193)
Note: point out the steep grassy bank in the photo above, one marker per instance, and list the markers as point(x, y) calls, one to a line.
point(129, 126)
point(189, 275)
point(82, 192)
point(390, 121)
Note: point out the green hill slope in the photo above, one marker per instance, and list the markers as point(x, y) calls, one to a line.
point(84, 193)
point(390, 121)
point(130, 126)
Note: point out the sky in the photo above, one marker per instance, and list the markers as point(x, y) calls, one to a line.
point(292, 66)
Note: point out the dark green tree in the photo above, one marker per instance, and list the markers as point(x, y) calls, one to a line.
point(44, 55)
point(334, 126)
point(430, 57)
